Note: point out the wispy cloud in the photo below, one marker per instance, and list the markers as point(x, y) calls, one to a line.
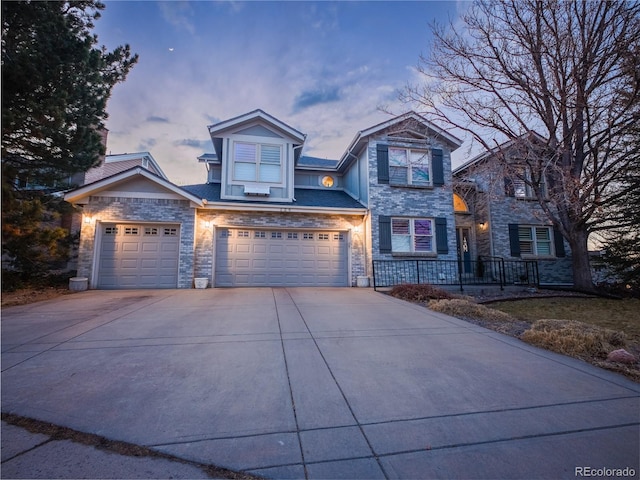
point(178, 14)
point(318, 96)
point(155, 119)
point(194, 143)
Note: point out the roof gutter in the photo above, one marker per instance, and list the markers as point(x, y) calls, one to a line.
point(284, 209)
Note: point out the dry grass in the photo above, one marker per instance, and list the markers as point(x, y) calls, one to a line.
point(466, 309)
point(618, 315)
point(574, 338)
point(418, 293)
point(604, 329)
point(25, 296)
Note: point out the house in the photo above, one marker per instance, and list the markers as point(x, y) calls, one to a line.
point(497, 210)
point(268, 215)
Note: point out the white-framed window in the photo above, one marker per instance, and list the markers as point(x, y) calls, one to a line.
point(409, 167)
point(535, 241)
point(257, 162)
point(522, 181)
point(412, 235)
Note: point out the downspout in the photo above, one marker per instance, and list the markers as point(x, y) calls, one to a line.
point(365, 226)
point(293, 170)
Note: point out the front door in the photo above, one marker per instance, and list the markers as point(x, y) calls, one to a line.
point(463, 239)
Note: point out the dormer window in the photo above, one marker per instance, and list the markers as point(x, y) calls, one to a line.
point(257, 162)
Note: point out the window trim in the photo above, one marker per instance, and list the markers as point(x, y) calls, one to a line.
point(257, 162)
point(522, 179)
point(409, 177)
point(412, 236)
point(534, 241)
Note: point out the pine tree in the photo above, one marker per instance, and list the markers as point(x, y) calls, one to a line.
point(55, 87)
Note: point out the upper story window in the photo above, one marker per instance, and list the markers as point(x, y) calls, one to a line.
point(520, 183)
point(255, 162)
point(409, 167)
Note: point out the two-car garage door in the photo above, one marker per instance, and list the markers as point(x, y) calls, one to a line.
point(147, 256)
point(138, 256)
point(246, 257)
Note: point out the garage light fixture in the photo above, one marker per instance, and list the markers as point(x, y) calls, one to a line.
point(88, 220)
point(207, 224)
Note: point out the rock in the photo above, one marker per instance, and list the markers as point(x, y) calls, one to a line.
point(621, 356)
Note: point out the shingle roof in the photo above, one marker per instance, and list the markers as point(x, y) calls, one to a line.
point(307, 161)
point(305, 197)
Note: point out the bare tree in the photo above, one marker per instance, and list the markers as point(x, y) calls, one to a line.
point(567, 70)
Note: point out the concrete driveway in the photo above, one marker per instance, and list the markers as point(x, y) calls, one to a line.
point(313, 383)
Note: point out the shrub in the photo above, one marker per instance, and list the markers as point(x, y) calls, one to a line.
point(574, 338)
point(465, 309)
point(418, 293)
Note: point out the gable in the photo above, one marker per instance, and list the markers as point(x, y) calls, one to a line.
point(138, 185)
point(134, 183)
point(258, 131)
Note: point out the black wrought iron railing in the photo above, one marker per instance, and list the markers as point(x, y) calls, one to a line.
point(485, 270)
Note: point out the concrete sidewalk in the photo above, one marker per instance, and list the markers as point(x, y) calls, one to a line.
point(313, 383)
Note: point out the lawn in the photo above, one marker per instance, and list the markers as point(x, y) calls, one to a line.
point(578, 326)
point(618, 315)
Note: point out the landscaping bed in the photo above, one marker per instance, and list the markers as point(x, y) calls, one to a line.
point(581, 326)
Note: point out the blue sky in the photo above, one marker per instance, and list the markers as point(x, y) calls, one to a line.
point(324, 68)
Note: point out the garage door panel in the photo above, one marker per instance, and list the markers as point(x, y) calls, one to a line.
point(259, 248)
point(280, 258)
point(169, 247)
point(110, 247)
point(243, 248)
point(129, 263)
point(129, 246)
point(138, 256)
point(150, 247)
point(276, 249)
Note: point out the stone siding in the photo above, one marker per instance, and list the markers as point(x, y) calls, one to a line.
point(508, 210)
point(427, 202)
point(122, 209)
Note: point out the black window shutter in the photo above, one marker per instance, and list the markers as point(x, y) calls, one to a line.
point(559, 243)
point(384, 233)
point(438, 167)
point(442, 242)
point(514, 239)
point(383, 163)
point(509, 189)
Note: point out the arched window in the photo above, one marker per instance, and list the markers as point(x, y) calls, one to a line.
point(459, 205)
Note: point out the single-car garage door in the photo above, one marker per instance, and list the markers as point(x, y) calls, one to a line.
point(280, 258)
point(138, 256)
